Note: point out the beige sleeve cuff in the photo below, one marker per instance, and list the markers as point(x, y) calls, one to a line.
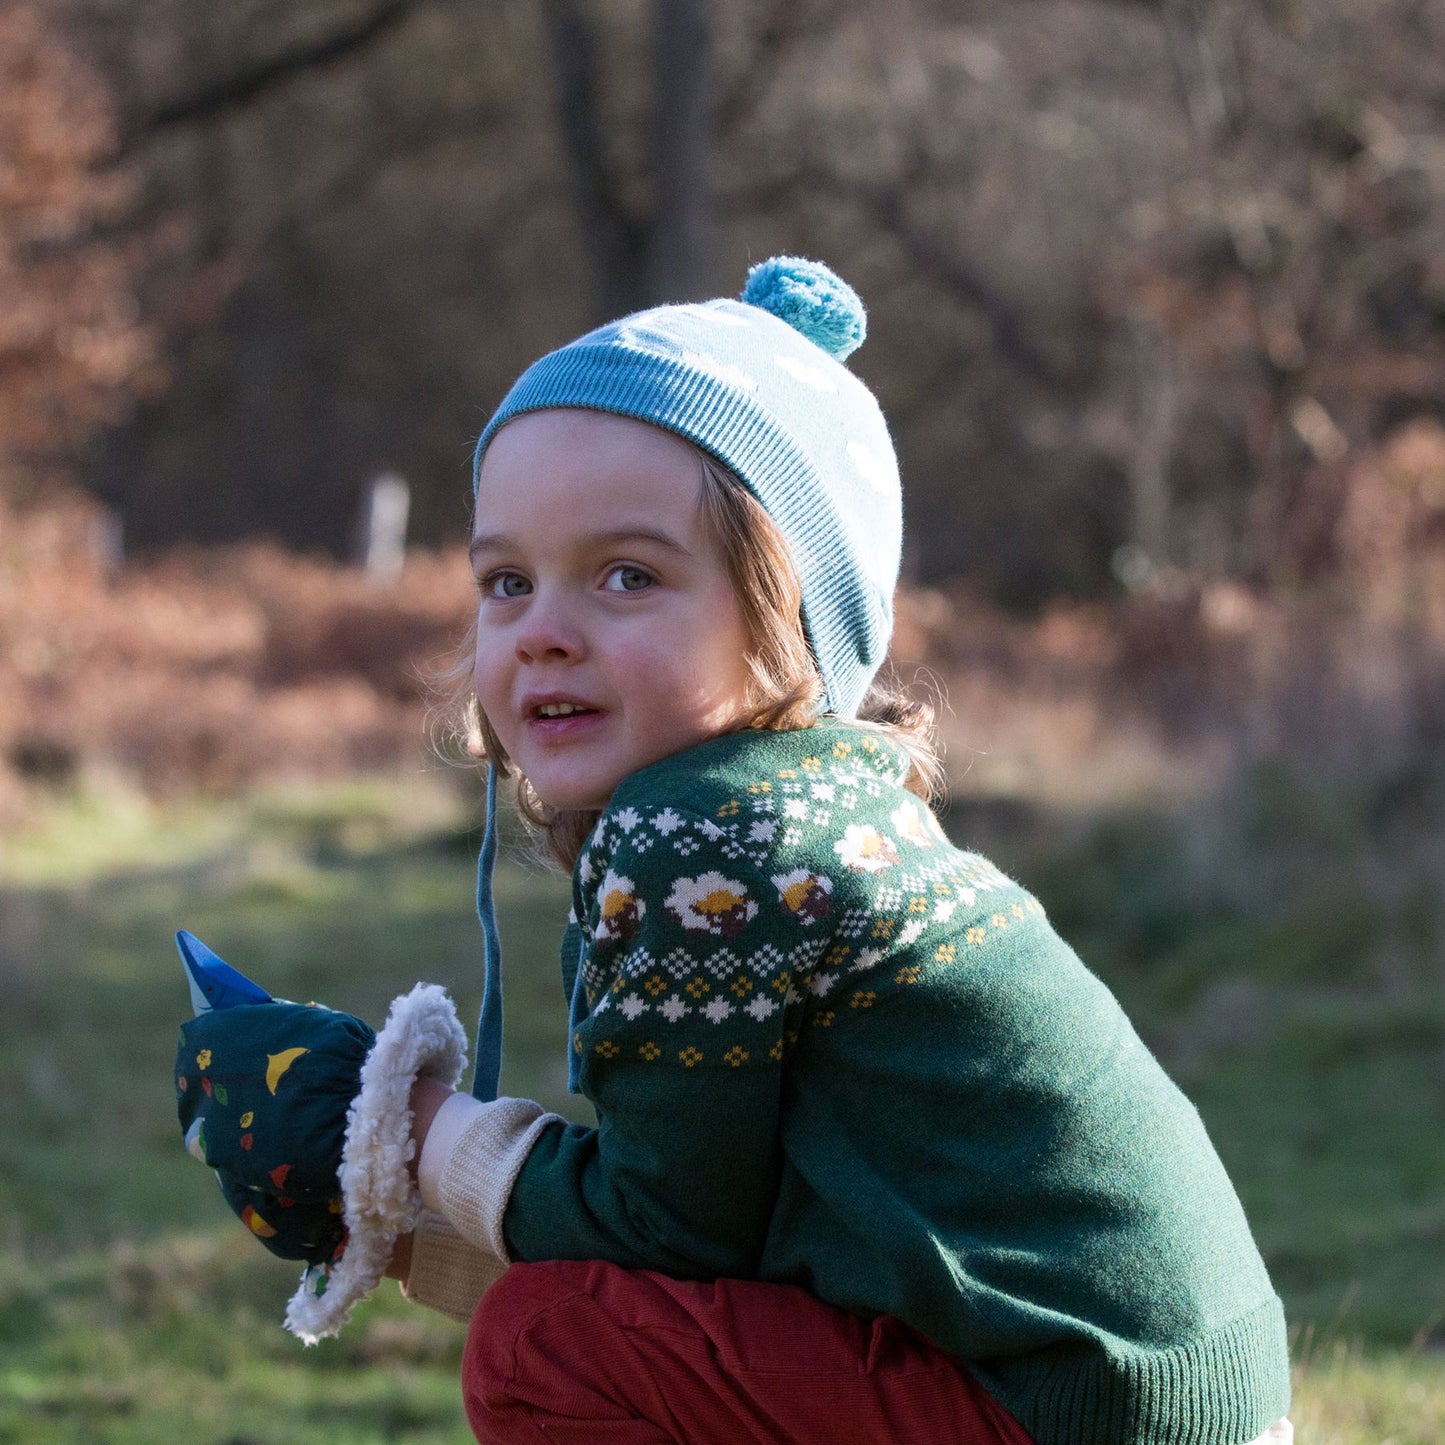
point(448, 1125)
point(482, 1160)
point(448, 1274)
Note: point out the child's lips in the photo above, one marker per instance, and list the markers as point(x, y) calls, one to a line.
point(557, 721)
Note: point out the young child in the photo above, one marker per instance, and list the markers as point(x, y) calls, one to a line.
point(877, 1159)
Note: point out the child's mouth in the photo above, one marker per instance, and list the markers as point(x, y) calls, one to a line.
point(560, 718)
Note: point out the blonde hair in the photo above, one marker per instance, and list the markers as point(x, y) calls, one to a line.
point(786, 690)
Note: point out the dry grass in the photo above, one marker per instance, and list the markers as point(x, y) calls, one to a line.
point(208, 671)
point(1337, 667)
point(213, 671)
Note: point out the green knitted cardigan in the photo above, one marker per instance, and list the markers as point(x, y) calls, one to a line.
point(828, 1048)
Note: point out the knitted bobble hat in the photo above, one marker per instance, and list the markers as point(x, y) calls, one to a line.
point(760, 384)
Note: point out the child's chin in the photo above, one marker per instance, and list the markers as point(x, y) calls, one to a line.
point(573, 796)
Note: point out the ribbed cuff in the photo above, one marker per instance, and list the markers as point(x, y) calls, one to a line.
point(447, 1274)
point(476, 1181)
point(448, 1125)
point(1224, 1389)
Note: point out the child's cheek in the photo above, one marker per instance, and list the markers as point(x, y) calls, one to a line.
point(491, 683)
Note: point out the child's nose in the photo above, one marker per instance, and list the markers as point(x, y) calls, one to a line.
point(549, 634)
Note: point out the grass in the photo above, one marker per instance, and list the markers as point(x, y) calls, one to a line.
point(1282, 950)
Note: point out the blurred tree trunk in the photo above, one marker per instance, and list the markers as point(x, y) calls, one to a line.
point(1205, 57)
point(665, 253)
point(1163, 400)
point(680, 246)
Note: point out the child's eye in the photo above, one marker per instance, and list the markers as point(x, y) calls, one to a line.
point(628, 579)
point(505, 585)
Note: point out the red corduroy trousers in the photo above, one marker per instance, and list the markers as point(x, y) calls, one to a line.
point(589, 1352)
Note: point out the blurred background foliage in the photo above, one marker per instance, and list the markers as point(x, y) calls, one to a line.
point(1142, 275)
point(1157, 303)
point(1157, 297)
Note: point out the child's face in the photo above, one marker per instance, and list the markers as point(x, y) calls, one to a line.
point(608, 632)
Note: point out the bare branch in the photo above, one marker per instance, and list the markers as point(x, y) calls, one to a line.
point(251, 82)
point(785, 24)
point(887, 207)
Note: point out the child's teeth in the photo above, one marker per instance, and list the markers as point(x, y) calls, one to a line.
point(557, 709)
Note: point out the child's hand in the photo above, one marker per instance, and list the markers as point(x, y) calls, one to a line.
point(262, 1095)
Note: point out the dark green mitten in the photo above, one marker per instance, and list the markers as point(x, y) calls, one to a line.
point(262, 1094)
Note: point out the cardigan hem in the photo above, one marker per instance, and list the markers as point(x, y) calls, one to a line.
point(1225, 1388)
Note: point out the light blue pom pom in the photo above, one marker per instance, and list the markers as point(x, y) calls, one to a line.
point(812, 299)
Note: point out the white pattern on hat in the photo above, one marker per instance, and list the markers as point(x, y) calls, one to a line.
point(869, 466)
point(718, 311)
point(723, 370)
point(812, 376)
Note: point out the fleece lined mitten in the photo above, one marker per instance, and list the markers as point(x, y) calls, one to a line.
point(305, 1115)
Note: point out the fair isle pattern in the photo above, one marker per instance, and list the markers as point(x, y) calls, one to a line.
point(808, 893)
point(778, 957)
